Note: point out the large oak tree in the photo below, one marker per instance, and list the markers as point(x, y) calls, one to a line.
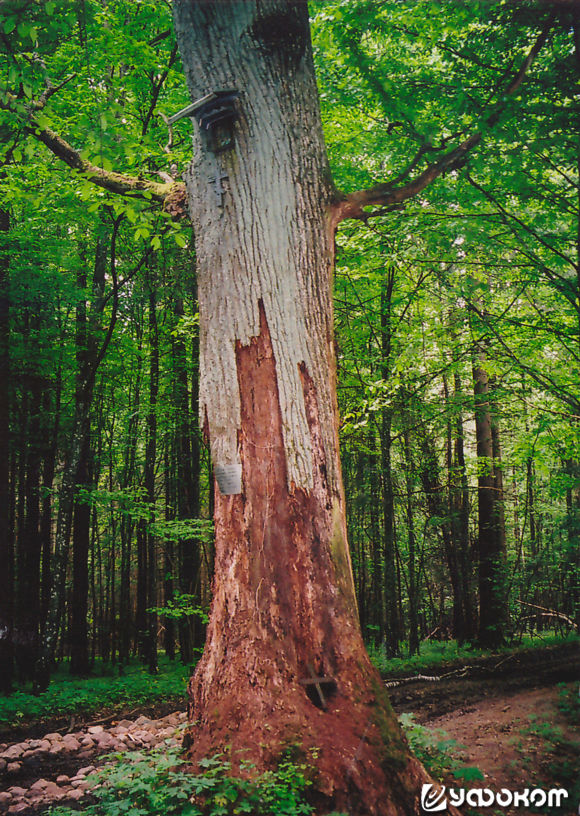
point(264, 211)
point(284, 604)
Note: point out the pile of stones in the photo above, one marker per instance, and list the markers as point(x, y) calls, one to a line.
point(30, 771)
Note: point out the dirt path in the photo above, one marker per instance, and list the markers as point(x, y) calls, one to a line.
point(517, 720)
point(516, 741)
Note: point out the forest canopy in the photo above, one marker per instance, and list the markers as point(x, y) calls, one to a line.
point(457, 321)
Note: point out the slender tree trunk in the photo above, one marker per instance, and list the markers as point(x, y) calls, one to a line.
point(284, 600)
point(439, 508)
point(6, 542)
point(392, 628)
point(150, 459)
point(376, 613)
point(358, 546)
point(88, 329)
point(81, 529)
point(168, 548)
point(187, 496)
point(141, 620)
point(127, 526)
point(29, 550)
point(460, 508)
point(60, 559)
point(491, 539)
point(413, 576)
point(573, 535)
point(459, 622)
point(50, 445)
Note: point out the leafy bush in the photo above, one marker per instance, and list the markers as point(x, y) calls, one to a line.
point(154, 783)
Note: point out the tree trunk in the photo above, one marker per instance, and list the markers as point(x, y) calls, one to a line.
point(79, 636)
point(29, 550)
point(391, 621)
point(460, 509)
point(141, 619)
point(491, 538)
point(127, 526)
point(50, 446)
point(150, 460)
point(439, 508)
point(6, 544)
point(376, 615)
point(284, 597)
point(168, 623)
point(412, 548)
point(188, 503)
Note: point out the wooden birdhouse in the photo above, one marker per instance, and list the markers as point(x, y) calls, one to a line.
point(215, 114)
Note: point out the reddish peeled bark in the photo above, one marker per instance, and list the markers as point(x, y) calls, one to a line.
point(284, 600)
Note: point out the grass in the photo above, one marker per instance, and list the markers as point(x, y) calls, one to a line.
point(441, 652)
point(105, 689)
point(561, 755)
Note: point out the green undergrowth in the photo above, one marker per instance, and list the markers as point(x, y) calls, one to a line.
point(153, 783)
point(560, 753)
point(104, 689)
point(440, 755)
point(140, 783)
point(443, 652)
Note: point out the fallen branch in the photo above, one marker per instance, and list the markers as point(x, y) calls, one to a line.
point(549, 613)
point(422, 677)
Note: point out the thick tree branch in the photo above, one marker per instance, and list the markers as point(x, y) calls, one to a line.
point(108, 180)
point(170, 194)
point(352, 205)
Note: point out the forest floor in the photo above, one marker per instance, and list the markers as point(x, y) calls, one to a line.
point(515, 717)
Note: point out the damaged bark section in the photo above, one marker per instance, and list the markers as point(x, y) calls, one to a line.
point(285, 603)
